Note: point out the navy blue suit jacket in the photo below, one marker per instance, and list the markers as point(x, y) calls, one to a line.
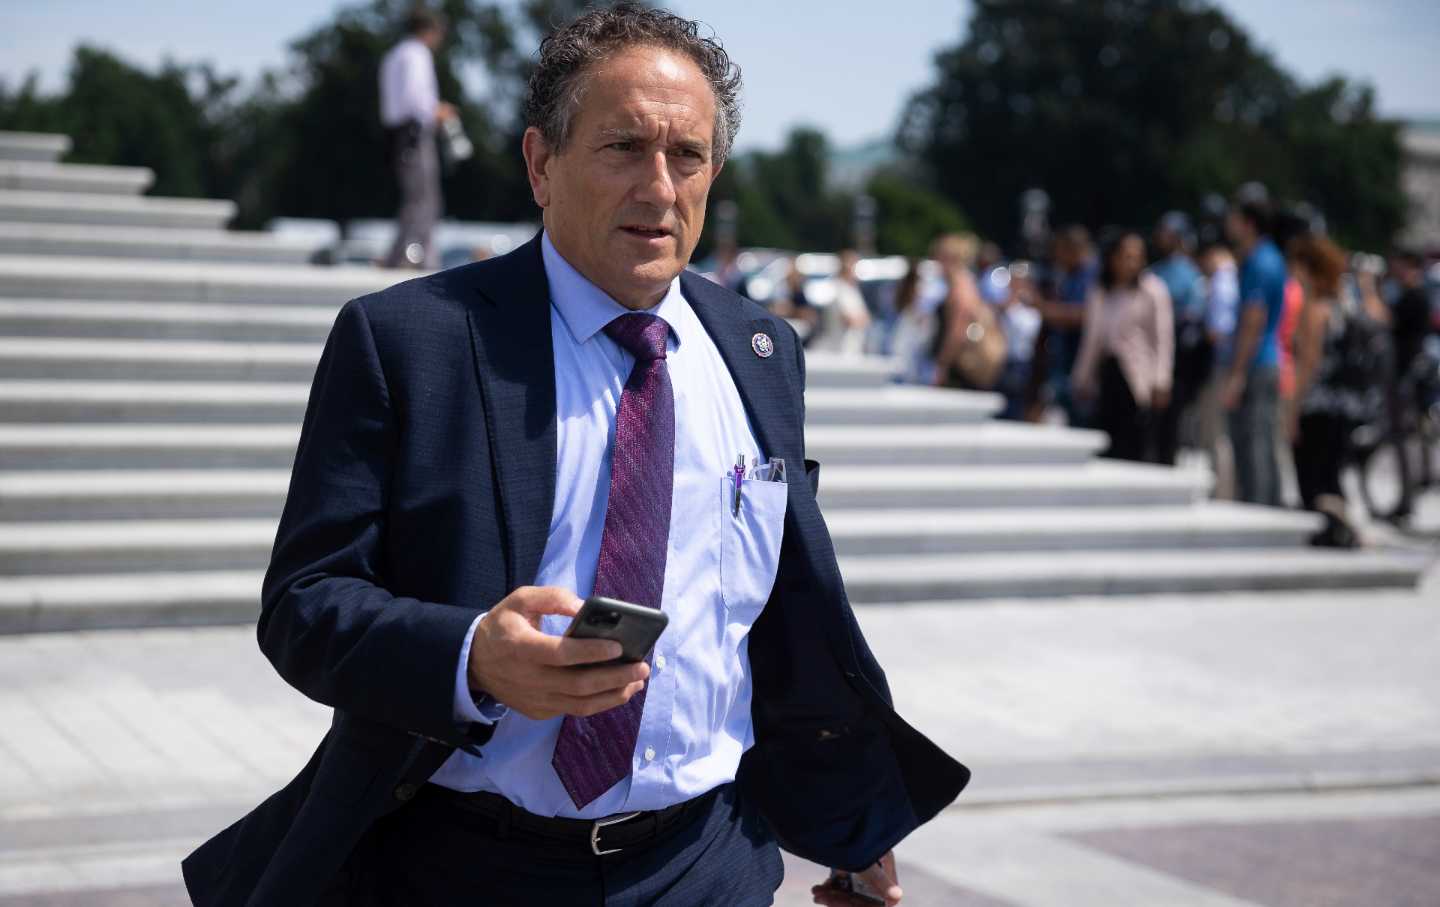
point(421, 495)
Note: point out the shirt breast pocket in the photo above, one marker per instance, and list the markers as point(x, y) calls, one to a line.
point(750, 544)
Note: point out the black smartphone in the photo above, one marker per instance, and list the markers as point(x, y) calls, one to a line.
point(635, 627)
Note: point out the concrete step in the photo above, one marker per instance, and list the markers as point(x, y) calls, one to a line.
point(156, 360)
point(1203, 525)
point(31, 603)
point(164, 359)
point(141, 545)
point(38, 603)
point(118, 210)
point(46, 176)
point(262, 446)
point(895, 405)
point(32, 277)
point(130, 446)
point(948, 577)
point(125, 494)
point(32, 146)
point(114, 494)
point(23, 400)
point(934, 445)
point(836, 370)
point(135, 319)
point(1101, 483)
point(134, 546)
point(140, 319)
point(152, 401)
point(165, 243)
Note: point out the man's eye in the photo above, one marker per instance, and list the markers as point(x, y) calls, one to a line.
point(623, 146)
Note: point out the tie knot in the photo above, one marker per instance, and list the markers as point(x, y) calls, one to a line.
point(642, 336)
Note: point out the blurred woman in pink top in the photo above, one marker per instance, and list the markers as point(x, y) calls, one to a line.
point(1127, 348)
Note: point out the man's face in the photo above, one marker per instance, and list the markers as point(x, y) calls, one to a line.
point(625, 199)
point(1238, 228)
point(1166, 242)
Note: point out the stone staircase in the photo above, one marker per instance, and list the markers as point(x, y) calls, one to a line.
point(154, 369)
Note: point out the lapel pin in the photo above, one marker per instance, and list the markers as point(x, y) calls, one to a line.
point(763, 346)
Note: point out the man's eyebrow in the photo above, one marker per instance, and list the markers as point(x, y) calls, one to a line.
point(624, 134)
point(699, 146)
point(620, 133)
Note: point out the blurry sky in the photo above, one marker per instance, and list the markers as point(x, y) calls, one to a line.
point(848, 73)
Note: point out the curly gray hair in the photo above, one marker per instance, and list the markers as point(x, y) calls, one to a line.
point(554, 91)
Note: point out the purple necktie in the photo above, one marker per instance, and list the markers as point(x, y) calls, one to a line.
point(593, 753)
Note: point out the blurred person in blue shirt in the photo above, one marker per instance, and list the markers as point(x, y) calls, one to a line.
point(1075, 271)
point(1250, 392)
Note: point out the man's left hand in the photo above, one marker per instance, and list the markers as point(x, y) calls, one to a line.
point(877, 885)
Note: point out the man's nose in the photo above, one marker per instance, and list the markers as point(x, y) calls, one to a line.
point(656, 187)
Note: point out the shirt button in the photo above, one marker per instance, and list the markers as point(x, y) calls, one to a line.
point(649, 754)
point(659, 661)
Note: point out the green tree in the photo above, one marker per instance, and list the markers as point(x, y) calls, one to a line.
point(306, 141)
point(910, 216)
point(1122, 109)
point(782, 196)
point(116, 113)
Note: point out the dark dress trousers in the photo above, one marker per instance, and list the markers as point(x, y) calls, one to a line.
point(421, 496)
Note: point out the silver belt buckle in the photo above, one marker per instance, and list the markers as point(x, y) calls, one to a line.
point(602, 823)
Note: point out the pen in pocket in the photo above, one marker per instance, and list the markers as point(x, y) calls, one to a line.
point(739, 478)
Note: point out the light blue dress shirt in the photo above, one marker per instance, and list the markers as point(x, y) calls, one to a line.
point(719, 568)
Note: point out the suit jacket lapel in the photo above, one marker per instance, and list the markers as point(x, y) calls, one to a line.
point(515, 364)
point(763, 383)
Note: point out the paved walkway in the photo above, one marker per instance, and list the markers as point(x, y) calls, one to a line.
point(1153, 750)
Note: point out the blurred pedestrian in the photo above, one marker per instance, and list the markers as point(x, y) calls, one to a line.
point(1412, 390)
point(969, 344)
point(1010, 290)
point(1177, 424)
point(1250, 393)
point(1327, 403)
point(1222, 306)
point(1127, 348)
point(1411, 317)
point(410, 111)
point(793, 303)
point(912, 330)
point(844, 322)
point(1073, 274)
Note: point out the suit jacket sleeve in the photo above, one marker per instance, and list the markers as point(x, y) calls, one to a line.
point(327, 622)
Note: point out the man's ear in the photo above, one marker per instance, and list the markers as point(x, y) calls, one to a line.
point(537, 159)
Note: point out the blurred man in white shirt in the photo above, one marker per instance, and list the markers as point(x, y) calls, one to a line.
point(410, 109)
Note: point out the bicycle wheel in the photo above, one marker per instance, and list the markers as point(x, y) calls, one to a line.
point(1381, 484)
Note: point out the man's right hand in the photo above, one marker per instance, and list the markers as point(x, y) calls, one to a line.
point(534, 673)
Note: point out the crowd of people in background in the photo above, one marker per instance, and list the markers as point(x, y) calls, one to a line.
point(1238, 342)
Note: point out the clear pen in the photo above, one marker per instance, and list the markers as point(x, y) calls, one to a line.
point(739, 478)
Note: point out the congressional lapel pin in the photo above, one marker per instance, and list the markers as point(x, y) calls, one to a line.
point(763, 346)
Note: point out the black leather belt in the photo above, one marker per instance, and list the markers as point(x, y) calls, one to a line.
point(627, 833)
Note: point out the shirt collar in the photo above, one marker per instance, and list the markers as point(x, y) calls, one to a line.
point(586, 309)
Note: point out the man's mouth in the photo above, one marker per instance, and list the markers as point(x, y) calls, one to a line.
point(644, 231)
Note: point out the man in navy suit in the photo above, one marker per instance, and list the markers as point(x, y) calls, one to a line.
point(487, 446)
